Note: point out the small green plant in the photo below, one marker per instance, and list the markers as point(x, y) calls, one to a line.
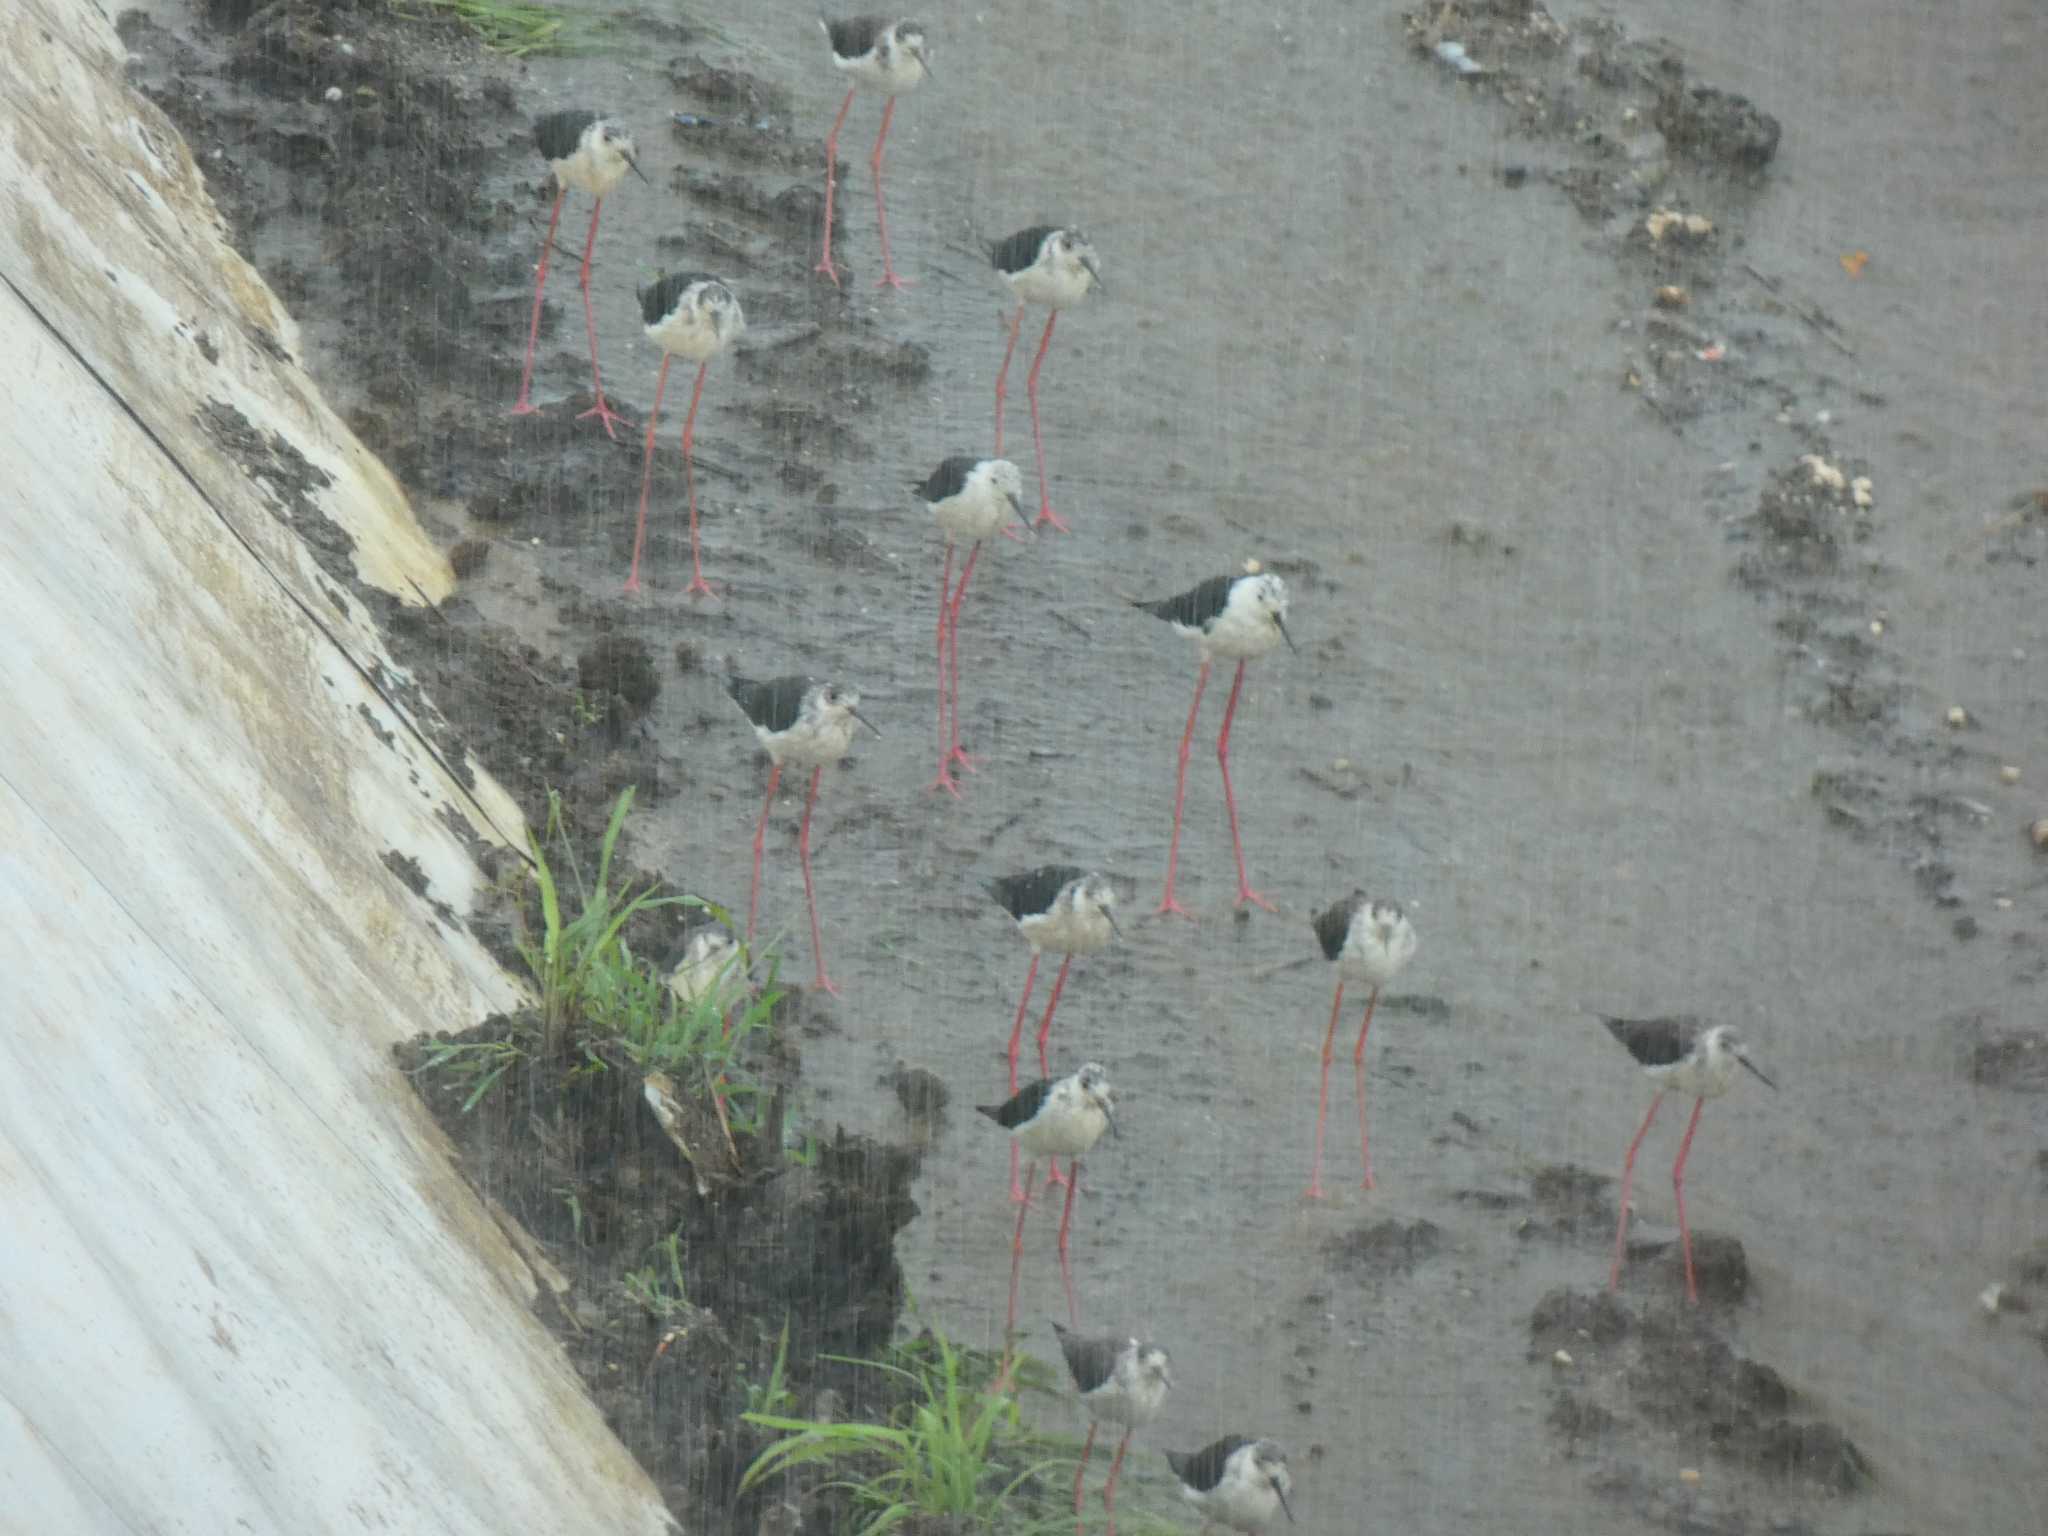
point(576, 958)
point(515, 27)
point(945, 1453)
point(773, 1395)
point(479, 1064)
point(663, 1295)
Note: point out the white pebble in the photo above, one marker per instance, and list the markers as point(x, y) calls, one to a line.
point(1958, 716)
point(2009, 774)
point(333, 94)
point(1562, 1357)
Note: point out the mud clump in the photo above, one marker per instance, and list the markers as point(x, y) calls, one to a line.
point(1570, 1202)
point(620, 667)
point(2015, 1060)
point(1386, 1249)
point(1718, 126)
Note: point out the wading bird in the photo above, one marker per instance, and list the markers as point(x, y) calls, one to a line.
point(694, 316)
point(1054, 267)
point(1054, 1119)
point(877, 54)
point(1236, 1482)
point(1368, 941)
point(1236, 618)
point(971, 500)
point(1121, 1382)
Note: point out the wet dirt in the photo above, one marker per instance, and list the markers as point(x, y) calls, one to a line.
point(1589, 677)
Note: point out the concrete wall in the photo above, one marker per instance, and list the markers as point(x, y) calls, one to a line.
point(241, 1288)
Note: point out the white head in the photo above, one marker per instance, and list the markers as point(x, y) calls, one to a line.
point(1144, 1370)
point(1267, 1464)
point(902, 45)
point(1267, 596)
point(1094, 896)
point(720, 310)
point(999, 477)
point(611, 151)
point(1091, 1084)
point(832, 710)
point(1072, 259)
point(1724, 1050)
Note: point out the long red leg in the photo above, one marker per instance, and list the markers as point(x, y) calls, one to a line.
point(1017, 1248)
point(600, 410)
point(1081, 1473)
point(1045, 512)
point(888, 279)
point(1628, 1179)
point(1109, 1492)
point(803, 849)
point(1245, 892)
point(1692, 1290)
point(523, 406)
point(944, 779)
point(647, 479)
point(1017, 1040)
point(1358, 1075)
point(831, 185)
point(1066, 1226)
point(1016, 324)
point(1180, 795)
point(1315, 1169)
point(954, 753)
point(1052, 1164)
point(760, 836)
point(698, 585)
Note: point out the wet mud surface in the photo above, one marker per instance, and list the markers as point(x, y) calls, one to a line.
point(1628, 701)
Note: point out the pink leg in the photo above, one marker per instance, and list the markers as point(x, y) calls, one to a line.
point(1692, 1290)
point(599, 410)
point(1045, 513)
point(1017, 1040)
point(1109, 1492)
point(760, 836)
point(523, 406)
point(831, 185)
point(1052, 1164)
point(1080, 1474)
point(1245, 892)
point(1066, 1264)
point(640, 527)
point(803, 849)
point(1180, 795)
point(1628, 1179)
point(1358, 1075)
point(698, 585)
point(1315, 1169)
point(1017, 1247)
point(954, 753)
point(1016, 324)
point(888, 279)
point(945, 779)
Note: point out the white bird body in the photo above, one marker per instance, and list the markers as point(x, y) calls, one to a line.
point(800, 723)
point(1058, 275)
point(1058, 1119)
point(1248, 1489)
point(1378, 940)
point(989, 496)
point(709, 969)
point(603, 155)
point(698, 322)
point(1250, 624)
point(892, 58)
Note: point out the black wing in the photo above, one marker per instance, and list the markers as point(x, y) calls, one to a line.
point(1655, 1042)
point(1196, 608)
point(1020, 1106)
point(949, 479)
point(558, 134)
point(659, 299)
point(1092, 1361)
point(1021, 249)
point(1334, 926)
point(1202, 1470)
point(774, 705)
point(1034, 891)
point(854, 36)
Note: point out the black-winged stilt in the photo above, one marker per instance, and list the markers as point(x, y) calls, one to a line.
point(1368, 941)
point(1054, 1119)
point(1054, 267)
point(585, 151)
point(713, 967)
point(1122, 1382)
point(1237, 618)
point(694, 316)
point(1678, 1055)
point(1068, 910)
point(879, 55)
point(971, 500)
point(1235, 1482)
point(809, 725)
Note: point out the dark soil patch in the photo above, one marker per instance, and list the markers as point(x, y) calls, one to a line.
point(1386, 1250)
point(1570, 1203)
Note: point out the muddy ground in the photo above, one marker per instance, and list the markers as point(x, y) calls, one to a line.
point(1633, 704)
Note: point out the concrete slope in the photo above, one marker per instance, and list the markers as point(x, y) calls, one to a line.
point(241, 1287)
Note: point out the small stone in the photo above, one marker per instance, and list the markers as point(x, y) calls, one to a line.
point(1341, 765)
point(1252, 567)
point(1690, 1476)
point(2003, 903)
point(2009, 774)
point(1671, 296)
point(1561, 1358)
point(2039, 833)
point(1860, 490)
point(1991, 1297)
point(1958, 716)
point(1877, 626)
point(331, 95)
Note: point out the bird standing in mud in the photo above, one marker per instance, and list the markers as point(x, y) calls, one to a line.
point(1054, 1119)
point(1057, 268)
point(877, 54)
point(1236, 1482)
point(1069, 911)
point(810, 725)
point(972, 500)
point(1368, 941)
point(1122, 1382)
point(1237, 618)
point(583, 150)
point(1677, 1055)
point(694, 316)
